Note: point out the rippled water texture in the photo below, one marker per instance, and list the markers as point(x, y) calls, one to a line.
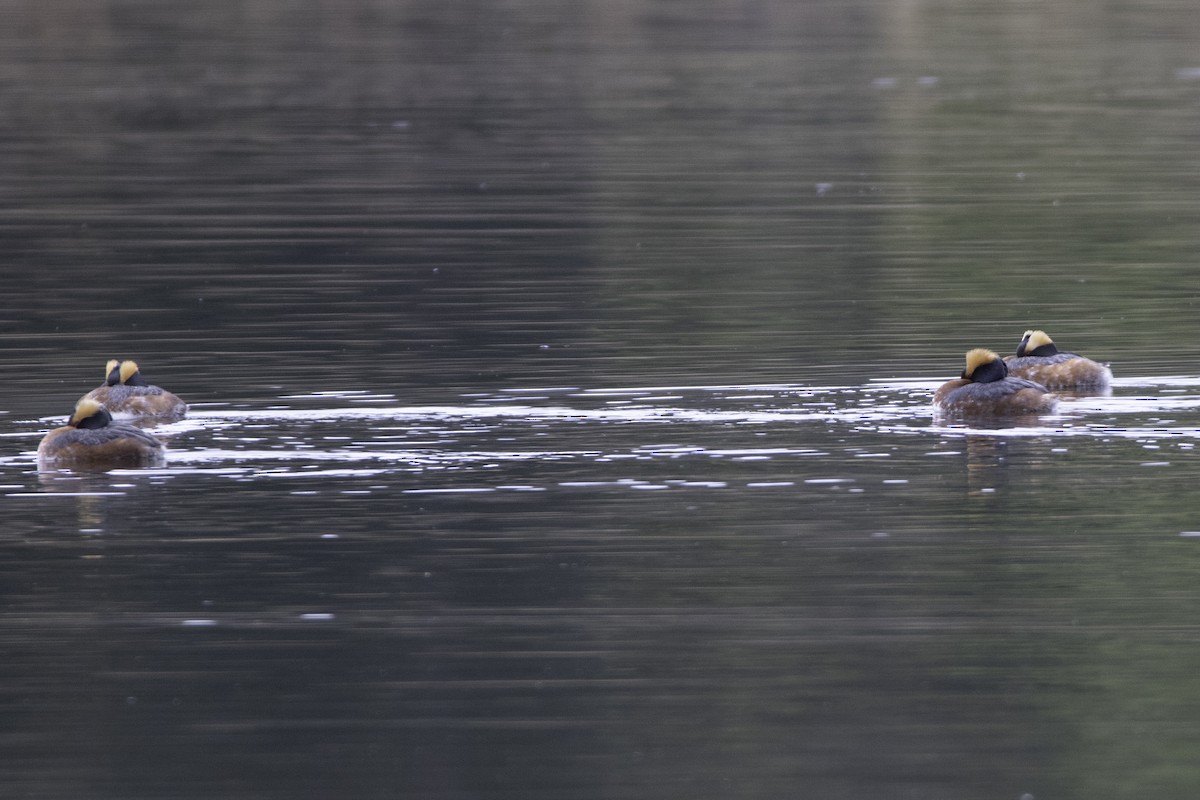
point(560, 400)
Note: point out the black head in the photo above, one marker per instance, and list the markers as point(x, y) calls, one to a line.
point(1036, 343)
point(129, 374)
point(89, 415)
point(984, 366)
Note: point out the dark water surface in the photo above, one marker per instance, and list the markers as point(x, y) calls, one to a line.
point(560, 388)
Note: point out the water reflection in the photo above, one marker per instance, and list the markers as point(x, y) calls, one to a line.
point(574, 571)
point(607, 430)
point(410, 543)
point(562, 571)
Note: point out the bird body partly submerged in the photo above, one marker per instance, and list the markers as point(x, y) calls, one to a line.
point(1038, 359)
point(126, 392)
point(90, 439)
point(985, 390)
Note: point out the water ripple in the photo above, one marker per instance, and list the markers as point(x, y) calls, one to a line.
point(371, 432)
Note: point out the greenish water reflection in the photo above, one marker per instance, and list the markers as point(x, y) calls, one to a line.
point(748, 587)
point(788, 583)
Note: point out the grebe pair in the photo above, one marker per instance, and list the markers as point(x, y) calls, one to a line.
point(1021, 383)
point(91, 439)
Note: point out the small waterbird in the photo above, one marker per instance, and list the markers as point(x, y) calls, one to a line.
point(125, 391)
point(986, 390)
point(91, 439)
point(1037, 359)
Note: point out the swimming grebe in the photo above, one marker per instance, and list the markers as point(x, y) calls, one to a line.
point(126, 392)
point(91, 439)
point(985, 390)
point(1037, 359)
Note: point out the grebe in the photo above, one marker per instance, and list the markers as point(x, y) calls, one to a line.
point(91, 439)
point(126, 392)
point(985, 390)
point(1037, 359)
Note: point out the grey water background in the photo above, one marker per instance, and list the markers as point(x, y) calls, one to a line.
point(560, 379)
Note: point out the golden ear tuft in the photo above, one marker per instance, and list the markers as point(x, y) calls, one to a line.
point(110, 366)
point(1037, 339)
point(128, 370)
point(977, 358)
point(85, 408)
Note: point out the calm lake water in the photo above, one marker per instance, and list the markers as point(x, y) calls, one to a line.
point(560, 388)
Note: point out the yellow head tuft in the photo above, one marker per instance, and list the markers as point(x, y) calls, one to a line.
point(1036, 340)
point(110, 366)
point(984, 366)
point(88, 409)
point(977, 358)
point(1036, 343)
point(128, 370)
